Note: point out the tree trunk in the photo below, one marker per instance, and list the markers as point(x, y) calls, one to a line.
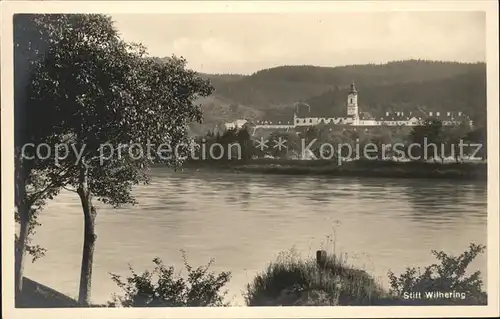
point(20, 247)
point(23, 210)
point(89, 238)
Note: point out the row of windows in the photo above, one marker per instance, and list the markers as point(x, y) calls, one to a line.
point(271, 123)
point(320, 121)
point(342, 121)
point(430, 113)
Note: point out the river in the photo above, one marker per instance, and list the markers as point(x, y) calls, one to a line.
point(244, 221)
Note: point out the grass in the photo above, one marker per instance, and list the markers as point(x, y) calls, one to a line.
point(295, 281)
point(36, 295)
point(292, 281)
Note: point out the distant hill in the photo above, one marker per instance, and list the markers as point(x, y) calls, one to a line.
point(218, 108)
point(464, 92)
point(222, 77)
point(271, 93)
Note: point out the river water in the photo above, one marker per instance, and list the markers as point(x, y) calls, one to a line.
point(244, 221)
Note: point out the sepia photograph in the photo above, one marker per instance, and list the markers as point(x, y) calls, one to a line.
point(250, 159)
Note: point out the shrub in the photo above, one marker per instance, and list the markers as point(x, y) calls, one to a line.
point(448, 276)
point(290, 281)
point(160, 288)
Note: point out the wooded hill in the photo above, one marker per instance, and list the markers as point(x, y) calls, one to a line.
point(400, 85)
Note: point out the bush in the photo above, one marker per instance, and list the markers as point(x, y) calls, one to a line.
point(449, 276)
point(160, 288)
point(290, 281)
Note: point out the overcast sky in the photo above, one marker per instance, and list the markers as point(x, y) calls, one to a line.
point(245, 43)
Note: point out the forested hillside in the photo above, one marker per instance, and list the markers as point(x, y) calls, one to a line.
point(463, 92)
point(401, 85)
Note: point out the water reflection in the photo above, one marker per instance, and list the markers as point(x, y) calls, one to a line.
point(439, 201)
point(426, 197)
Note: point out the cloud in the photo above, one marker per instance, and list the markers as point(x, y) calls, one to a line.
point(244, 43)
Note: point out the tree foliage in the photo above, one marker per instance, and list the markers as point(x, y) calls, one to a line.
point(422, 136)
point(36, 179)
point(233, 144)
point(448, 276)
point(101, 96)
point(161, 287)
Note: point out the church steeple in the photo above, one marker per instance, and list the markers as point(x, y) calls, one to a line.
point(352, 104)
point(353, 90)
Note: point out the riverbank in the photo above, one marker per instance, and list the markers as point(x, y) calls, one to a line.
point(37, 295)
point(328, 280)
point(291, 280)
point(359, 168)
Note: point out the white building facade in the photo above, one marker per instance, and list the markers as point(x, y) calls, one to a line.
point(353, 117)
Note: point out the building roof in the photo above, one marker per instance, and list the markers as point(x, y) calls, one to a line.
point(306, 111)
point(390, 115)
point(275, 122)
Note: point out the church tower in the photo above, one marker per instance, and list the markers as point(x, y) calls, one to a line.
point(352, 103)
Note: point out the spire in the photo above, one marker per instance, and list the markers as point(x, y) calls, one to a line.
point(353, 88)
